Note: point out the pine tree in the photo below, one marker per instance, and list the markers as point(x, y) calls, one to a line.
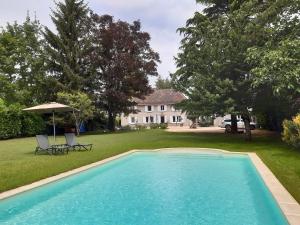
point(68, 47)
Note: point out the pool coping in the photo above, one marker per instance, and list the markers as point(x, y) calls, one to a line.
point(289, 206)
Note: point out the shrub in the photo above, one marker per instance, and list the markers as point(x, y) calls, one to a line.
point(126, 128)
point(163, 126)
point(158, 126)
point(291, 132)
point(140, 127)
point(32, 124)
point(154, 126)
point(14, 122)
point(10, 123)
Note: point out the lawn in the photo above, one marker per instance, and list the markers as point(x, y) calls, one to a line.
point(19, 165)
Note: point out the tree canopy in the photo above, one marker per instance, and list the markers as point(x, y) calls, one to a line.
point(122, 60)
point(162, 83)
point(68, 46)
point(216, 65)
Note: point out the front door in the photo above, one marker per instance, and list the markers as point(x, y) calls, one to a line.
point(162, 119)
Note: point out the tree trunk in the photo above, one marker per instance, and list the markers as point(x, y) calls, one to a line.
point(77, 124)
point(111, 121)
point(246, 119)
point(234, 128)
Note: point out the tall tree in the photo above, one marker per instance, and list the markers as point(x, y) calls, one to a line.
point(123, 59)
point(68, 47)
point(277, 62)
point(213, 62)
point(162, 83)
point(22, 60)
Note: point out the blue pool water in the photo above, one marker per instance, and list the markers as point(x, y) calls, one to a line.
point(152, 188)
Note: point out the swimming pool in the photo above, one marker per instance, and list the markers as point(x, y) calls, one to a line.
point(152, 188)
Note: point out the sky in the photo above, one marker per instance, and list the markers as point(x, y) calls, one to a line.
point(160, 18)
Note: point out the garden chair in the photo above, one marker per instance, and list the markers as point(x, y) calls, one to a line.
point(44, 146)
point(71, 142)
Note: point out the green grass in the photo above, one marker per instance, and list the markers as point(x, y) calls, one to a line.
point(19, 165)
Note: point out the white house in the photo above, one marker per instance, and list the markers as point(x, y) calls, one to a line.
point(158, 107)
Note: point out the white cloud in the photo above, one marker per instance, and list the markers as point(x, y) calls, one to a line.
point(159, 18)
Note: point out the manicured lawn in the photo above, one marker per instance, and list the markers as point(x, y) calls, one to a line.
point(19, 165)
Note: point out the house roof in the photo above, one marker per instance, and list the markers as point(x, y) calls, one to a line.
point(162, 96)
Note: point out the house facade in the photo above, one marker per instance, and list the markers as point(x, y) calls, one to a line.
point(158, 107)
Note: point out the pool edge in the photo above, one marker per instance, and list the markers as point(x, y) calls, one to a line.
point(288, 205)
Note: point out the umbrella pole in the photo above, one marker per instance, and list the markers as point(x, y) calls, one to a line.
point(53, 126)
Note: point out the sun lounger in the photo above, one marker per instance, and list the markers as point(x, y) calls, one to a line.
point(44, 146)
point(71, 142)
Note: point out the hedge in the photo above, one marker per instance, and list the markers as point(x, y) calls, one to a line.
point(16, 123)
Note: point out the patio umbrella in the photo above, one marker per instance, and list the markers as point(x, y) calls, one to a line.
point(52, 107)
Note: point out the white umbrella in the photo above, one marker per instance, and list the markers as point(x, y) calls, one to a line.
point(52, 107)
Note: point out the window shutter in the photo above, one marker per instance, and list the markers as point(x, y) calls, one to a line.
point(146, 108)
point(166, 107)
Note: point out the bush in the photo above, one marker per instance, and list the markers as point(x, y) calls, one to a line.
point(291, 132)
point(163, 126)
point(126, 128)
point(158, 126)
point(15, 123)
point(32, 124)
point(10, 123)
point(140, 127)
point(154, 126)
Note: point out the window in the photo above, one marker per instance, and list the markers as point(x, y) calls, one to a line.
point(176, 119)
point(148, 108)
point(133, 120)
point(151, 119)
point(162, 108)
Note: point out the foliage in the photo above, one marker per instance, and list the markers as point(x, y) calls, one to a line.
point(277, 62)
point(126, 128)
point(32, 124)
point(140, 127)
point(83, 105)
point(163, 126)
point(158, 126)
point(14, 122)
point(291, 132)
point(154, 126)
point(214, 69)
point(163, 83)
point(122, 61)
point(22, 67)
point(66, 49)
